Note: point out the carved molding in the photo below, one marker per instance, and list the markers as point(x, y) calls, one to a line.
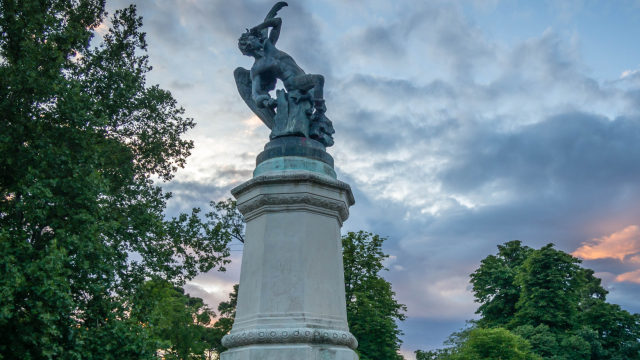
point(290, 335)
point(293, 175)
point(295, 199)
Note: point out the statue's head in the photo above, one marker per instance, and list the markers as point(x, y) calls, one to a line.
point(250, 42)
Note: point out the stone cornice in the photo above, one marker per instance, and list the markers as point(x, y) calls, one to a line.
point(290, 336)
point(295, 199)
point(276, 177)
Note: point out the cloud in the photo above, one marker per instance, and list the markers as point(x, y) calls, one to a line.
point(180, 85)
point(530, 147)
point(632, 276)
point(618, 245)
point(214, 287)
point(628, 73)
point(453, 139)
point(190, 193)
point(623, 245)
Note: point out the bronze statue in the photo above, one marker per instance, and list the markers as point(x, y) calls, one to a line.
point(299, 110)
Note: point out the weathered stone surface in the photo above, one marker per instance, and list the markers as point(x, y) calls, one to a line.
point(293, 177)
point(294, 141)
point(290, 336)
point(290, 352)
point(291, 302)
point(295, 146)
point(294, 163)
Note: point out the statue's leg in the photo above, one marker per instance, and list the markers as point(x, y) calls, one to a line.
point(318, 87)
point(307, 82)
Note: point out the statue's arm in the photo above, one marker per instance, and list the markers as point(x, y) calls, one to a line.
point(275, 24)
point(262, 100)
point(255, 88)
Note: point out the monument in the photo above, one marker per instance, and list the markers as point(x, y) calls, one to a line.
point(291, 300)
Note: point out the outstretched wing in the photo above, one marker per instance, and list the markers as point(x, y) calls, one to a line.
point(243, 81)
point(274, 11)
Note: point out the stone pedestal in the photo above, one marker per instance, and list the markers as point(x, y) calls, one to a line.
point(291, 302)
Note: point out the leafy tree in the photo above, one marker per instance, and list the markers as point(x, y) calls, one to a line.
point(454, 342)
point(482, 343)
point(82, 137)
point(229, 219)
point(372, 310)
point(185, 324)
point(553, 345)
point(551, 282)
point(227, 309)
point(613, 329)
point(494, 284)
point(558, 307)
point(178, 319)
point(496, 343)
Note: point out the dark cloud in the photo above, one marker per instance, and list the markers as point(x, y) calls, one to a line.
point(566, 153)
point(301, 38)
point(187, 194)
point(180, 85)
point(453, 142)
point(379, 42)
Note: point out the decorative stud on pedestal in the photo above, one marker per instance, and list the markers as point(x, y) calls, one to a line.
point(291, 301)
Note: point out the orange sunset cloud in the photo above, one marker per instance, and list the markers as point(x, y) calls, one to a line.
point(617, 246)
point(632, 276)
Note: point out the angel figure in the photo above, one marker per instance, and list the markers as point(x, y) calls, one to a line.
point(300, 109)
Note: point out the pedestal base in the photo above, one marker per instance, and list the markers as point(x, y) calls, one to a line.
point(290, 352)
point(291, 300)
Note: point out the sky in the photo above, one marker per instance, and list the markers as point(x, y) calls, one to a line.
point(460, 125)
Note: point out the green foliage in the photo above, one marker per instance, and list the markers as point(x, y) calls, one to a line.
point(176, 318)
point(82, 136)
point(551, 282)
point(184, 325)
point(229, 218)
point(496, 343)
point(477, 343)
point(372, 310)
point(614, 330)
point(494, 284)
point(545, 297)
point(438, 354)
point(227, 309)
point(553, 345)
point(454, 342)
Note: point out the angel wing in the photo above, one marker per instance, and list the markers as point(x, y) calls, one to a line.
point(274, 11)
point(243, 82)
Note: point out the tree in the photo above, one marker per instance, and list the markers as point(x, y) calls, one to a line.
point(229, 218)
point(372, 310)
point(183, 324)
point(177, 319)
point(482, 343)
point(547, 299)
point(454, 342)
point(227, 309)
point(551, 283)
point(496, 343)
point(494, 284)
point(81, 221)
